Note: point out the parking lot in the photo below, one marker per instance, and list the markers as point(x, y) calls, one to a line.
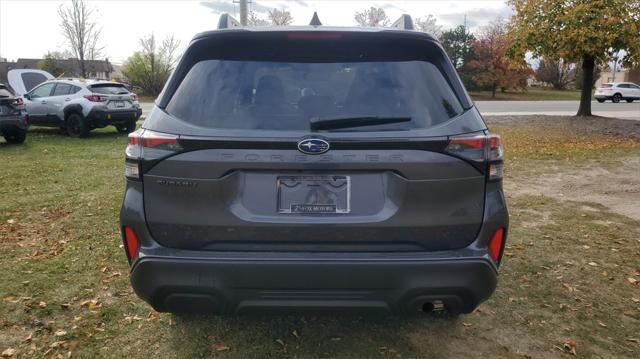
point(569, 281)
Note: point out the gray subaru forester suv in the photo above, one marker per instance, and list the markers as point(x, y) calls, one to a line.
point(314, 168)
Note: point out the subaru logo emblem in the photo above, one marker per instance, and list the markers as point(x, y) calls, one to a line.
point(313, 146)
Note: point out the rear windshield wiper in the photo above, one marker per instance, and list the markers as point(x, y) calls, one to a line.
point(318, 124)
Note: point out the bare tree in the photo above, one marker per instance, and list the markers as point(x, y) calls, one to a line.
point(374, 17)
point(556, 72)
point(429, 25)
point(280, 17)
point(81, 31)
point(254, 20)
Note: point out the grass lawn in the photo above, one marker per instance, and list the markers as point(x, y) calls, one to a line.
point(531, 94)
point(568, 281)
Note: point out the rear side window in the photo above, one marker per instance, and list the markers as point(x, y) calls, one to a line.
point(32, 79)
point(62, 89)
point(285, 85)
point(607, 85)
point(109, 89)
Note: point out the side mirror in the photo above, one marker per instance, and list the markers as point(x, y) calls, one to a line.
point(27, 96)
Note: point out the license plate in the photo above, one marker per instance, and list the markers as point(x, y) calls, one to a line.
point(314, 194)
point(119, 103)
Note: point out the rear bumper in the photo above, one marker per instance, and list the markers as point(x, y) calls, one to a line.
point(104, 117)
point(13, 122)
point(227, 285)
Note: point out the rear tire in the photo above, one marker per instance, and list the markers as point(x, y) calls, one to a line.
point(127, 127)
point(601, 100)
point(629, 100)
point(616, 98)
point(77, 126)
point(15, 136)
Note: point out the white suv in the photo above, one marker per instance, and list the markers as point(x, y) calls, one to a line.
point(617, 91)
point(76, 106)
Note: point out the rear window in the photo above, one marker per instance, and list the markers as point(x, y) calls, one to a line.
point(285, 88)
point(32, 79)
point(109, 89)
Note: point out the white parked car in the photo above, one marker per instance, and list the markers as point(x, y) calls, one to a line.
point(76, 106)
point(617, 91)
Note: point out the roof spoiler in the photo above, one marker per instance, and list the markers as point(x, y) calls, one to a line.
point(227, 21)
point(405, 22)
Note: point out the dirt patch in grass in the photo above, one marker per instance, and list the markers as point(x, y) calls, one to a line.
point(569, 158)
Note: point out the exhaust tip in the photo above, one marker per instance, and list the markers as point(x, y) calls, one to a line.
point(427, 307)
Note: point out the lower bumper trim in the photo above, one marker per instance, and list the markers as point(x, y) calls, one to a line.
point(241, 286)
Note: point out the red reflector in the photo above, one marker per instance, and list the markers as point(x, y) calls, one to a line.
point(315, 36)
point(131, 242)
point(495, 245)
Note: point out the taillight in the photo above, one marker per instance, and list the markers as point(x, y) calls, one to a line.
point(131, 243)
point(96, 98)
point(495, 245)
point(480, 148)
point(148, 144)
point(18, 102)
point(496, 162)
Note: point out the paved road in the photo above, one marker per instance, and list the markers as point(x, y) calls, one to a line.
point(561, 108)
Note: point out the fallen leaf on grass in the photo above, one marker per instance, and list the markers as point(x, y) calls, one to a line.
point(632, 281)
point(221, 348)
point(295, 334)
point(593, 264)
point(8, 353)
point(130, 319)
point(602, 324)
point(570, 346)
point(634, 340)
point(279, 341)
point(42, 304)
point(60, 344)
point(91, 304)
point(569, 288)
point(60, 333)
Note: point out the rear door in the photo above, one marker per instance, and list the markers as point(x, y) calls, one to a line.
point(233, 162)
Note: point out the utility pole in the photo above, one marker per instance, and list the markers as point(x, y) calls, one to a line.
point(243, 12)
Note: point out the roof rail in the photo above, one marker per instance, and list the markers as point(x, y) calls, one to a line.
point(405, 22)
point(227, 21)
point(315, 20)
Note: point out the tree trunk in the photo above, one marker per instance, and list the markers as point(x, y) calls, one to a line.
point(494, 87)
point(588, 65)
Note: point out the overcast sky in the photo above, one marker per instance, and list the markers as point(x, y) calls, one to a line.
point(30, 28)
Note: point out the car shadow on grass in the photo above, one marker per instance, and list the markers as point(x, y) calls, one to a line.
point(311, 335)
